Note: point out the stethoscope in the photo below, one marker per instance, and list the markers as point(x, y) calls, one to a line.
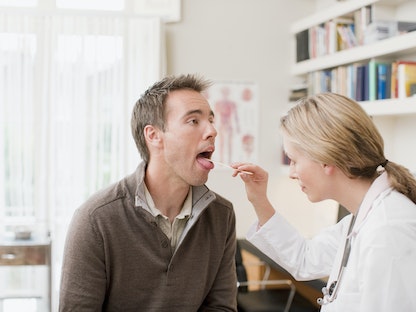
point(330, 293)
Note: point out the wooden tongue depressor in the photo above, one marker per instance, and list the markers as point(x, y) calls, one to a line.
point(227, 166)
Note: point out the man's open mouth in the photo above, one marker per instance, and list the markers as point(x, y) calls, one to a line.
point(204, 160)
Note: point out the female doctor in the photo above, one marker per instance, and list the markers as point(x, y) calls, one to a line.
point(336, 152)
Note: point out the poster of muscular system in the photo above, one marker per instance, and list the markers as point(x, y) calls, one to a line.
point(235, 105)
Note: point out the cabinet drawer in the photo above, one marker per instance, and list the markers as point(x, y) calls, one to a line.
point(24, 255)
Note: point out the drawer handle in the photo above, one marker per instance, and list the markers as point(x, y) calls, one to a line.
point(8, 256)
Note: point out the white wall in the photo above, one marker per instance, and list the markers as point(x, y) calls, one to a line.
point(248, 40)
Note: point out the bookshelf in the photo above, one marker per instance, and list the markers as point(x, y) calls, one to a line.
point(395, 117)
point(395, 47)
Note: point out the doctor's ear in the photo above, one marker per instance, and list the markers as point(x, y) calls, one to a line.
point(328, 169)
point(152, 135)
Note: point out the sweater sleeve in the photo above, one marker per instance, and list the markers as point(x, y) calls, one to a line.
point(83, 279)
point(223, 293)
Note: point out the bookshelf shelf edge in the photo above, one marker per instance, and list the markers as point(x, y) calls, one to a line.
point(329, 13)
point(398, 45)
point(390, 107)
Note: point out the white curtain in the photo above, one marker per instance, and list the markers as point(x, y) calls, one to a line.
point(67, 88)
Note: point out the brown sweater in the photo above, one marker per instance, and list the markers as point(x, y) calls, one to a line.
point(117, 259)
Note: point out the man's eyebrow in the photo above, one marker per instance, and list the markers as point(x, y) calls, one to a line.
point(199, 112)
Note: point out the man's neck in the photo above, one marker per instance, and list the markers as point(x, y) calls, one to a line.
point(168, 194)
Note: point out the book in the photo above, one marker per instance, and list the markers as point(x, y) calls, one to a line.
point(341, 80)
point(362, 18)
point(382, 29)
point(377, 71)
point(346, 37)
point(351, 80)
point(330, 37)
point(298, 93)
point(393, 83)
point(406, 77)
point(302, 45)
point(388, 80)
point(372, 80)
point(326, 79)
point(381, 81)
point(366, 83)
point(405, 27)
point(359, 82)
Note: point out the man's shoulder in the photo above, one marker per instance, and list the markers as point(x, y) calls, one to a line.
point(222, 201)
point(109, 196)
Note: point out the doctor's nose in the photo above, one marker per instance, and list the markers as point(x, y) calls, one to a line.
point(292, 172)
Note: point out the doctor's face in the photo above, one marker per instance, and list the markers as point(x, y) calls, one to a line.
point(309, 173)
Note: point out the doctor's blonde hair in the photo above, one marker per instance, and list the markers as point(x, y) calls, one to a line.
point(334, 129)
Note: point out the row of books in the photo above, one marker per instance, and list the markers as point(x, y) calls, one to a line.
point(345, 32)
point(375, 80)
point(334, 35)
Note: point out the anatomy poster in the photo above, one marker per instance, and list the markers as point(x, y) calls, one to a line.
point(235, 105)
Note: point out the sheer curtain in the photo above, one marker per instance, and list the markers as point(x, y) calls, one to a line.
point(67, 87)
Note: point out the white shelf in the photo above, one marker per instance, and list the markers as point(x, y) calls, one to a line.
point(394, 47)
point(390, 107)
point(334, 11)
point(342, 8)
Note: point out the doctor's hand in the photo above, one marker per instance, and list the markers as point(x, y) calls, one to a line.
point(256, 189)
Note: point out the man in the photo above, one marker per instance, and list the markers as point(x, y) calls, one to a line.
point(159, 239)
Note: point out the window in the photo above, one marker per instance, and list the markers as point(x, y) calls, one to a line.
point(18, 3)
point(114, 5)
point(68, 83)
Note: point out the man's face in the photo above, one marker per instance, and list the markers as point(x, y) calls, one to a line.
point(189, 136)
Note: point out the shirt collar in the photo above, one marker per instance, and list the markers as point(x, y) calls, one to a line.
point(185, 211)
point(379, 185)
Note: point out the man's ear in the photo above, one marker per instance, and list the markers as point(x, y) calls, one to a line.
point(152, 135)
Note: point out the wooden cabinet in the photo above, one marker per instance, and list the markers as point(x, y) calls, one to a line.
point(25, 254)
point(29, 255)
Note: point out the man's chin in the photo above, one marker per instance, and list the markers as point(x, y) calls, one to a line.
point(199, 181)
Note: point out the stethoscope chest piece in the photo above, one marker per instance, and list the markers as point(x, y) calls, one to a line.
point(329, 294)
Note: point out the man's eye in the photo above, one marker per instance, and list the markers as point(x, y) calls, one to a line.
point(193, 121)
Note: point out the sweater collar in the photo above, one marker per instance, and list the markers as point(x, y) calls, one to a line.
point(202, 196)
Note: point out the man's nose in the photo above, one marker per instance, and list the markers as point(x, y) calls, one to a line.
point(211, 131)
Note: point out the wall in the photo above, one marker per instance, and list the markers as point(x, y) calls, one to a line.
point(248, 40)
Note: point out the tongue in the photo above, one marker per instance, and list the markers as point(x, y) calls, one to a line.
point(205, 163)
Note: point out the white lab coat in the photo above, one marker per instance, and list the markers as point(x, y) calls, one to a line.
point(381, 271)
